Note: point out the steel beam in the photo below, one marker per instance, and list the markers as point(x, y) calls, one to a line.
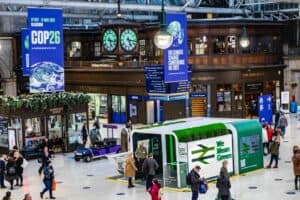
point(83, 16)
point(113, 6)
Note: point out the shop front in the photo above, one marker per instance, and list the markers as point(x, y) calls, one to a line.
point(235, 92)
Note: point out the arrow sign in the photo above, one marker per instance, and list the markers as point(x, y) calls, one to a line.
point(203, 151)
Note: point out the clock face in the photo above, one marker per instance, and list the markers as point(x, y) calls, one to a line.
point(128, 40)
point(110, 40)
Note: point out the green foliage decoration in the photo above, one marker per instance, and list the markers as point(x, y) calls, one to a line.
point(43, 102)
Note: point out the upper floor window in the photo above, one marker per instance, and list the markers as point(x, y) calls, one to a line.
point(97, 49)
point(219, 45)
point(75, 49)
point(142, 44)
point(201, 47)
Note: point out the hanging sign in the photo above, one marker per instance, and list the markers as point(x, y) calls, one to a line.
point(46, 52)
point(175, 57)
point(25, 51)
point(265, 108)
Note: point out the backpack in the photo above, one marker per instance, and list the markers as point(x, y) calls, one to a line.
point(189, 179)
point(46, 172)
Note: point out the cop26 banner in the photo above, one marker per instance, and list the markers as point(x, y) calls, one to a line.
point(175, 57)
point(46, 53)
point(25, 51)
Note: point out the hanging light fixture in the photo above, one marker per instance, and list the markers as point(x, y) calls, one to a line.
point(162, 38)
point(119, 14)
point(244, 40)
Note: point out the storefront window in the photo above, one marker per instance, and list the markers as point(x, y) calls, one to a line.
point(97, 49)
point(267, 44)
point(219, 45)
point(276, 44)
point(199, 88)
point(54, 126)
point(224, 98)
point(33, 135)
point(201, 45)
point(98, 108)
point(75, 49)
point(4, 132)
point(257, 44)
point(238, 96)
point(231, 44)
point(75, 124)
point(190, 47)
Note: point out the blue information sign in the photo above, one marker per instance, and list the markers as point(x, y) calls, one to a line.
point(265, 108)
point(46, 50)
point(175, 57)
point(25, 51)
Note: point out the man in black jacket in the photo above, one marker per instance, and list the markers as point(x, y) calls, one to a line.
point(195, 182)
point(2, 170)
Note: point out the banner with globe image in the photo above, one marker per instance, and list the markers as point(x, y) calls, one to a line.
point(46, 53)
point(25, 52)
point(176, 57)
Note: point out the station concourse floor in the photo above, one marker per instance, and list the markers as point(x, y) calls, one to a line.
point(86, 181)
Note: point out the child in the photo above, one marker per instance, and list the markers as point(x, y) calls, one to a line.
point(155, 190)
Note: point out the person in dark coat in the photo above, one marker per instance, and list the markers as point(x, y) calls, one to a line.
point(2, 171)
point(19, 162)
point(45, 158)
point(150, 165)
point(195, 182)
point(48, 180)
point(84, 134)
point(223, 184)
point(11, 172)
point(296, 165)
point(277, 116)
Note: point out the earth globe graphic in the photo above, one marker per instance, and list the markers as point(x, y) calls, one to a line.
point(177, 32)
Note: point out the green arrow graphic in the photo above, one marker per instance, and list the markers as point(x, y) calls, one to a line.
point(203, 151)
point(245, 148)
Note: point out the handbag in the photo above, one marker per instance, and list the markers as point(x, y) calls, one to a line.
point(203, 187)
point(53, 185)
point(25, 163)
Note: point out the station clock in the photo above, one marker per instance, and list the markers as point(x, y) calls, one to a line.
point(128, 39)
point(110, 40)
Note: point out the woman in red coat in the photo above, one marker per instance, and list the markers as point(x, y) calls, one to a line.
point(155, 190)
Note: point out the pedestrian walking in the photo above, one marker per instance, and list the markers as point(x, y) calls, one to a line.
point(141, 154)
point(48, 172)
point(223, 185)
point(277, 116)
point(224, 168)
point(11, 172)
point(19, 162)
point(2, 170)
point(84, 134)
point(265, 139)
point(149, 167)
point(194, 180)
point(270, 132)
point(45, 157)
point(130, 169)
point(282, 124)
point(274, 150)
point(296, 165)
point(155, 190)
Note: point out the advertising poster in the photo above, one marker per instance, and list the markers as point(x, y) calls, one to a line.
point(46, 53)
point(265, 108)
point(3, 132)
point(12, 138)
point(175, 57)
point(25, 51)
point(209, 154)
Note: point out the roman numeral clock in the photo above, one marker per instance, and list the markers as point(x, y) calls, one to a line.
point(120, 39)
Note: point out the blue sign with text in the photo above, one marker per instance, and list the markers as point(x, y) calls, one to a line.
point(46, 52)
point(175, 57)
point(265, 108)
point(25, 51)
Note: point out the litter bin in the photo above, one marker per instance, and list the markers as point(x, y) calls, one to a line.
point(293, 107)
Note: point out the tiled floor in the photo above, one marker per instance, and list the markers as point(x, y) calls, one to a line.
point(86, 181)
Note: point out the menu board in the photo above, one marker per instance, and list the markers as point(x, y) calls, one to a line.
point(3, 132)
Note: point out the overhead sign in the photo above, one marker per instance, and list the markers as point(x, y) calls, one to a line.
point(210, 153)
point(265, 108)
point(154, 79)
point(25, 51)
point(46, 53)
point(175, 57)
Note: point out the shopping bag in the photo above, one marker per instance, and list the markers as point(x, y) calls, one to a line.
point(25, 163)
point(53, 185)
point(203, 187)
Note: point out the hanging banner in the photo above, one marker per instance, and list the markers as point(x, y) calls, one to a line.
point(175, 57)
point(25, 51)
point(46, 50)
point(265, 108)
